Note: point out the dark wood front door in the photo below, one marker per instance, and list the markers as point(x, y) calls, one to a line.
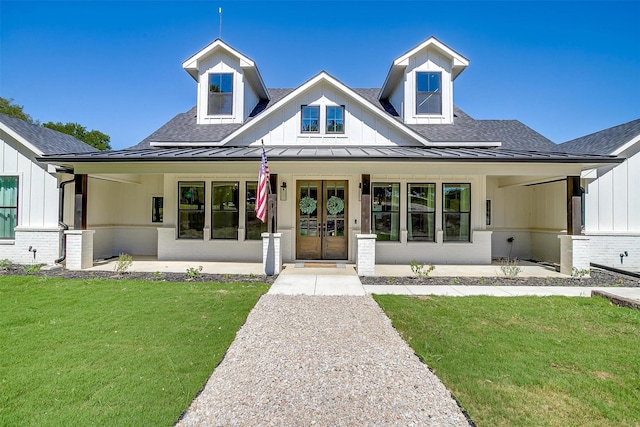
point(321, 220)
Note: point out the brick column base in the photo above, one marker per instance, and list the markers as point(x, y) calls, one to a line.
point(366, 259)
point(79, 249)
point(574, 253)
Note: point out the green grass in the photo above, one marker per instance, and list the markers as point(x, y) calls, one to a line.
point(529, 361)
point(111, 352)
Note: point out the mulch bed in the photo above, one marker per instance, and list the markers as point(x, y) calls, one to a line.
point(598, 278)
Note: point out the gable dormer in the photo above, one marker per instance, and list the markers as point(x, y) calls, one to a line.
point(419, 84)
point(229, 84)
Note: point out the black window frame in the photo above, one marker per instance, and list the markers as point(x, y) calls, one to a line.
point(200, 210)
point(380, 214)
point(303, 119)
point(427, 94)
point(452, 214)
point(220, 96)
point(341, 120)
point(431, 234)
point(225, 211)
point(157, 209)
point(12, 234)
point(250, 213)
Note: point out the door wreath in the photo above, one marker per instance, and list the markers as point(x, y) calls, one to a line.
point(308, 205)
point(335, 205)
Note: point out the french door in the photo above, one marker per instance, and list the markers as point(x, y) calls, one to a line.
point(321, 225)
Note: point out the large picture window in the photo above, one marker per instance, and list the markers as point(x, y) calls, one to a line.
point(335, 119)
point(8, 206)
point(220, 94)
point(428, 93)
point(456, 212)
point(224, 210)
point(421, 212)
point(310, 115)
point(385, 210)
point(191, 210)
point(253, 226)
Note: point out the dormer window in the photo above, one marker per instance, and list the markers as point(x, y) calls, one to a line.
point(335, 119)
point(310, 115)
point(220, 94)
point(428, 93)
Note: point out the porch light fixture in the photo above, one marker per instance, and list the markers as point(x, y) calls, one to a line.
point(283, 191)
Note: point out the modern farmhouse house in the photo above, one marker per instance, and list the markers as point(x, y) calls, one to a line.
point(375, 175)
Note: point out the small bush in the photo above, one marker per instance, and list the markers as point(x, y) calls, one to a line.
point(31, 268)
point(580, 273)
point(5, 264)
point(420, 270)
point(124, 263)
point(510, 268)
point(194, 273)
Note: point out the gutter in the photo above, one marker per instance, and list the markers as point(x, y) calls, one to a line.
point(61, 223)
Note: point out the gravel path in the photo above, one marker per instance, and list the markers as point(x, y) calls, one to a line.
point(325, 361)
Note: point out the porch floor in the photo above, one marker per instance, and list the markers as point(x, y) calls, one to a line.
point(152, 264)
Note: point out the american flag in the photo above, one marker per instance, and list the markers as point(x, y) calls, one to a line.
point(263, 188)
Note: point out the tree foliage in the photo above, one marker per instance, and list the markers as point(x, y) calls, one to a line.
point(93, 138)
point(8, 107)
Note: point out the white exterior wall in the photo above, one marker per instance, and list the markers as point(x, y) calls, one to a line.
point(613, 213)
point(362, 127)
point(425, 61)
point(37, 206)
point(120, 214)
point(533, 215)
point(244, 99)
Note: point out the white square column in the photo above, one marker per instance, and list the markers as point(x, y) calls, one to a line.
point(366, 258)
point(79, 249)
point(271, 253)
point(574, 253)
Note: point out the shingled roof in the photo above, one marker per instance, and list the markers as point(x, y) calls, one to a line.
point(48, 141)
point(604, 142)
point(513, 134)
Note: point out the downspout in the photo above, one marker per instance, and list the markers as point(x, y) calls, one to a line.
point(61, 223)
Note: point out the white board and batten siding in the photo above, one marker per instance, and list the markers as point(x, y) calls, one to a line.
point(613, 213)
point(37, 206)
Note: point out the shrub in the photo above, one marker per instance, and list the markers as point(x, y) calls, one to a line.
point(510, 268)
point(194, 273)
point(5, 264)
point(124, 263)
point(31, 268)
point(420, 270)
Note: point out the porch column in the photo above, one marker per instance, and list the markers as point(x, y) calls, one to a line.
point(574, 206)
point(271, 253)
point(366, 258)
point(365, 204)
point(80, 205)
point(79, 249)
point(574, 254)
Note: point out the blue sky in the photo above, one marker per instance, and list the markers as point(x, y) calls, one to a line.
point(565, 69)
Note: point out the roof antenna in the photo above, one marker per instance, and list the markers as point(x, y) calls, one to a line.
point(220, 30)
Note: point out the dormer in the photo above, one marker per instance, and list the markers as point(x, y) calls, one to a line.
point(419, 84)
point(229, 84)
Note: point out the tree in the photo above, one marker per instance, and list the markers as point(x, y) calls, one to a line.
point(13, 110)
point(93, 138)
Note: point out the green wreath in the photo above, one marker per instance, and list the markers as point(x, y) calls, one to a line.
point(335, 205)
point(308, 205)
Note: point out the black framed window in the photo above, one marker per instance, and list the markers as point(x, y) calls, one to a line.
point(157, 209)
point(421, 212)
point(335, 119)
point(220, 94)
point(191, 210)
point(385, 210)
point(224, 210)
point(428, 93)
point(8, 206)
point(253, 226)
point(310, 115)
point(456, 212)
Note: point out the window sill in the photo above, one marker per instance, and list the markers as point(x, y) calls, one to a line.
point(7, 242)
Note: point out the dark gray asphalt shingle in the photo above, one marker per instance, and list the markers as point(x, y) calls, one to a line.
point(604, 142)
point(46, 140)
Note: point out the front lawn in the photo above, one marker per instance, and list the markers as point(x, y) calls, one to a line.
point(529, 361)
point(112, 352)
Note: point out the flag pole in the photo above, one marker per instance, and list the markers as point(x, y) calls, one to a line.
point(268, 181)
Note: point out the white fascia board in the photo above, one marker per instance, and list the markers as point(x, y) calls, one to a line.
point(187, 144)
point(626, 146)
point(323, 75)
point(15, 135)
